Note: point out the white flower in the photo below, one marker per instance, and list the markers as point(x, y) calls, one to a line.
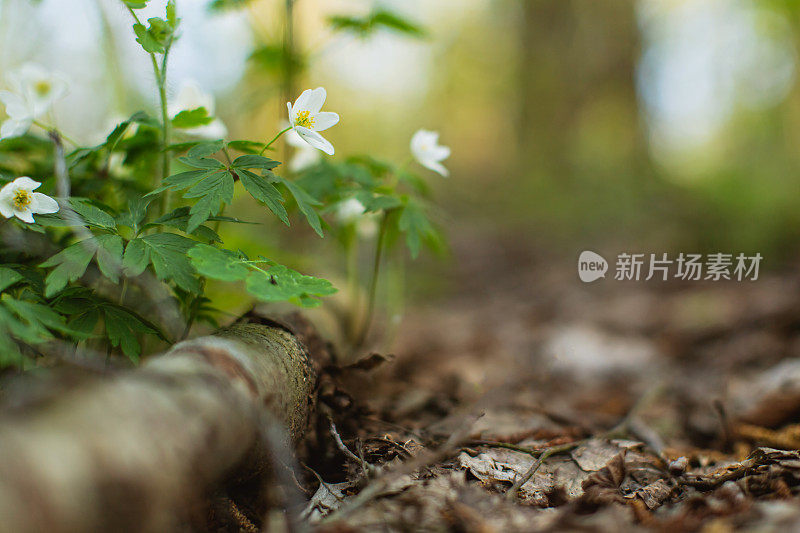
point(20, 115)
point(34, 91)
point(306, 119)
point(39, 86)
point(191, 96)
point(428, 152)
point(17, 199)
point(305, 155)
point(351, 211)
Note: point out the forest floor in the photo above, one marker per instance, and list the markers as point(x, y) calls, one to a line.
point(535, 402)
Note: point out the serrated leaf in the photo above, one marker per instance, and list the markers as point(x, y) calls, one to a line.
point(8, 278)
point(218, 264)
point(279, 283)
point(148, 41)
point(201, 162)
point(205, 149)
point(415, 225)
point(254, 161)
point(305, 202)
point(167, 253)
point(121, 328)
point(192, 118)
point(70, 263)
point(109, 256)
point(92, 215)
point(249, 147)
point(179, 219)
point(263, 191)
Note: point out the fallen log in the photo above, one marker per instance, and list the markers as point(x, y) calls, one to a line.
point(138, 451)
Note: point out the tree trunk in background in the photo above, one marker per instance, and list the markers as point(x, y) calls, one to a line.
point(137, 451)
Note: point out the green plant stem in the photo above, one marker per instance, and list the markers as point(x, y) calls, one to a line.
point(53, 128)
point(266, 146)
point(161, 80)
point(373, 283)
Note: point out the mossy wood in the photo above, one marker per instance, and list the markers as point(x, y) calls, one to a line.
point(138, 451)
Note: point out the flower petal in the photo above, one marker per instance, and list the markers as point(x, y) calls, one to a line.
point(24, 215)
point(315, 139)
point(310, 100)
point(440, 153)
point(291, 115)
point(24, 182)
point(16, 106)
point(435, 166)
point(6, 208)
point(324, 120)
point(43, 204)
point(15, 128)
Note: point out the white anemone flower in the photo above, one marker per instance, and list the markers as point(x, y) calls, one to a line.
point(191, 96)
point(35, 90)
point(352, 211)
point(17, 199)
point(39, 86)
point(20, 115)
point(428, 152)
point(307, 120)
point(304, 156)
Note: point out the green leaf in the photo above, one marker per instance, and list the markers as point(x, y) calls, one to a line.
point(70, 263)
point(305, 202)
point(137, 210)
point(192, 118)
point(254, 161)
point(200, 162)
point(92, 215)
point(136, 4)
point(249, 147)
point(218, 264)
point(136, 257)
point(179, 219)
point(122, 327)
point(205, 149)
point(378, 19)
point(280, 283)
point(148, 40)
point(414, 223)
point(172, 17)
point(271, 283)
point(265, 192)
point(8, 278)
point(221, 5)
point(167, 253)
point(109, 255)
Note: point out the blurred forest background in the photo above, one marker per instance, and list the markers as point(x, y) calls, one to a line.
point(638, 126)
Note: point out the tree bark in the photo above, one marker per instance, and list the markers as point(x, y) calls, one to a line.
point(138, 451)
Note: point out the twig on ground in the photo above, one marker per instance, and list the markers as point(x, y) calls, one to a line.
point(366, 468)
point(381, 483)
point(627, 426)
point(321, 481)
point(548, 452)
point(396, 445)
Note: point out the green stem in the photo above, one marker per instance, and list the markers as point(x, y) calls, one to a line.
point(266, 146)
point(373, 284)
point(161, 81)
point(53, 128)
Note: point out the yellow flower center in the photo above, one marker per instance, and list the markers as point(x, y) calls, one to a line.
point(305, 120)
point(22, 199)
point(42, 88)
